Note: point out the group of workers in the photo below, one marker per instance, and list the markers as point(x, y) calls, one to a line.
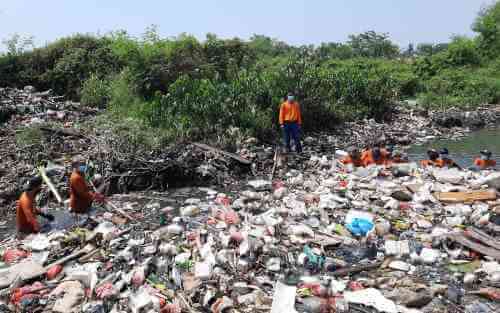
point(290, 119)
point(80, 202)
point(380, 155)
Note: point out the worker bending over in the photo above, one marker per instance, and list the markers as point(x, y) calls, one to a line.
point(26, 212)
point(433, 156)
point(374, 156)
point(354, 158)
point(397, 158)
point(445, 160)
point(290, 120)
point(81, 197)
point(484, 161)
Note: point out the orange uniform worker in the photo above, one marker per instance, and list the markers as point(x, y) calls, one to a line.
point(373, 156)
point(445, 160)
point(26, 212)
point(290, 120)
point(433, 156)
point(80, 196)
point(397, 158)
point(484, 161)
point(353, 158)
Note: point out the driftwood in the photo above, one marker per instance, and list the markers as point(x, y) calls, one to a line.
point(356, 269)
point(49, 183)
point(63, 132)
point(225, 153)
point(485, 250)
point(482, 237)
point(113, 207)
point(467, 196)
point(275, 162)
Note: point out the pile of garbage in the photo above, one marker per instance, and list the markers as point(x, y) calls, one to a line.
point(30, 107)
point(318, 237)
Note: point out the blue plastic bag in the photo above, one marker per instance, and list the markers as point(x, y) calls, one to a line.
point(360, 226)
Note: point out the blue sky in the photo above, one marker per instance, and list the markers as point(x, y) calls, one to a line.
point(294, 21)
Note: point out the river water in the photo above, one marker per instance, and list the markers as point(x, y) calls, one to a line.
point(463, 150)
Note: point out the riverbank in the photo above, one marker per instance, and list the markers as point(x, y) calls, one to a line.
point(56, 131)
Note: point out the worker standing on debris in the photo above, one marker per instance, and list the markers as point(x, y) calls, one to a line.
point(26, 212)
point(80, 196)
point(354, 158)
point(433, 156)
point(484, 161)
point(290, 120)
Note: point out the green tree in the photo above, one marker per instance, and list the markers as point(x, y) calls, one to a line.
point(17, 44)
point(487, 24)
point(372, 44)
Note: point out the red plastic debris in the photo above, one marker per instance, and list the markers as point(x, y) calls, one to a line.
point(223, 200)
point(172, 308)
point(54, 271)
point(13, 255)
point(105, 291)
point(354, 286)
point(26, 292)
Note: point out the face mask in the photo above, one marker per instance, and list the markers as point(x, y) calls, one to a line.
point(291, 98)
point(82, 168)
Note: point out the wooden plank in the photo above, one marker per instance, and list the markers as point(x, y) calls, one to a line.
point(225, 153)
point(460, 238)
point(467, 196)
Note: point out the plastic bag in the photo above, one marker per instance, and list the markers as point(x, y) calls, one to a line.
point(360, 226)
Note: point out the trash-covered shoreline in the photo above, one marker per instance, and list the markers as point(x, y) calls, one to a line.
point(318, 238)
point(265, 233)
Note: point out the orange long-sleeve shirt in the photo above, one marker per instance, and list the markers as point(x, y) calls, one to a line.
point(483, 164)
point(80, 196)
point(368, 159)
point(26, 215)
point(427, 163)
point(290, 112)
point(444, 163)
point(350, 160)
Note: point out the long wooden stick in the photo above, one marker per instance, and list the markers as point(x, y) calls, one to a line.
point(52, 188)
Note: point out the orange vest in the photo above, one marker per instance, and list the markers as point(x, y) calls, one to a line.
point(290, 112)
point(426, 163)
point(483, 164)
point(26, 215)
point(80, 197)
point(444, 163)
point(350, 160)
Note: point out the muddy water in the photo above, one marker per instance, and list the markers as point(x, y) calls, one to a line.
point(463, 150)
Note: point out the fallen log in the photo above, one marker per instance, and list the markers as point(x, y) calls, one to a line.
point(225, 153)
point(467, 196)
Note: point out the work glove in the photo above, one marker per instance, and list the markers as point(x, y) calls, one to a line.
point(98, 197)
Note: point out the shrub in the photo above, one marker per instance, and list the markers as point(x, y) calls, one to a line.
point(95, 92)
